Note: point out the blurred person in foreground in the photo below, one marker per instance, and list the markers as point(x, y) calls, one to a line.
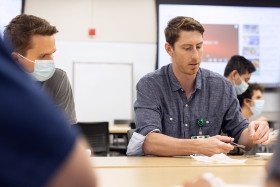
point(181, 108)
point(37, 146)
point(273, 167)
point(33, 46)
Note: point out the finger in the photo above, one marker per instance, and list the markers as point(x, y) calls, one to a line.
point(230, 148)
point(225, 151)
point(263, 139)
point(251, 128)
point(260, 134)
point(226, 139)
point(259, 128)
point(263, 130)
point(218, 147)
point(260, 139)
point(266, 142)
point(226, 147)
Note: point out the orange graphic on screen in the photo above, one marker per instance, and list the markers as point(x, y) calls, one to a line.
point(220, 42)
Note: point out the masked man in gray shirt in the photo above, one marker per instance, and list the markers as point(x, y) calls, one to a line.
point(182, 108)
point(33, 44)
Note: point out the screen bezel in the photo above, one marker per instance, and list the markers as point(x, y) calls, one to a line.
point(22, 6)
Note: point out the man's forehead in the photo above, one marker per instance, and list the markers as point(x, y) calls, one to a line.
point(42, 45)
point(257, 93)
point(246, 74)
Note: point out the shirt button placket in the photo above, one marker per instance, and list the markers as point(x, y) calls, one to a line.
point(186, 125)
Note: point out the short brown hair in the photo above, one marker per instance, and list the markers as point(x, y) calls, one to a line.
point(19, 31)
point(178, 24)
point(239, 63)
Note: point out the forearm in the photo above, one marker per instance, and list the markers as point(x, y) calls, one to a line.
point(162, 145)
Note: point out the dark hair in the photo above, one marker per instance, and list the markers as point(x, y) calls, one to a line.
point(239, 63)
point(19, 31)
point(178, 24)
point(248, 94)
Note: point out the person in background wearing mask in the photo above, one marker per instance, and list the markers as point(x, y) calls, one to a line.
point(32, 45)
point(238, 71)
point(251, 102)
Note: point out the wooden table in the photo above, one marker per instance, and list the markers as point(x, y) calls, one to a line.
point(119, 129)
point(172, 176)
point(118, 138)
point(171, 171)
point(150, 161)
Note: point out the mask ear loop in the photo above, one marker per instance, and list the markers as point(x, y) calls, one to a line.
point(234, 80)
point(251, 101)
point(240, 79)
point(25, 58)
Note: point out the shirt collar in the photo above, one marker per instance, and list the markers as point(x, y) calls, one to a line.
point(175, 85)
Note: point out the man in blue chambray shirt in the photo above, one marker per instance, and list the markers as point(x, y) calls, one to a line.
point(182, 100)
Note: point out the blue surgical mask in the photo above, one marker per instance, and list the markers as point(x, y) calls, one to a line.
point(258, 108)
point(240, 89)
point(43, 69)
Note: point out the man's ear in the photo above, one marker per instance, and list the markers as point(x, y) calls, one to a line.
point(246, 102)
point(234, 75)
point(15, 56)
point(169, 49)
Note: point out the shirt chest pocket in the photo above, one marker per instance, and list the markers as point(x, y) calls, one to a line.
point(212, 126)
point(171, 126)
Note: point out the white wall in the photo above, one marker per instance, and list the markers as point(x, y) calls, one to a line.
point(125, 32)
point(114, 20)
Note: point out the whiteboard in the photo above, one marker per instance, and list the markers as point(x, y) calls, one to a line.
point(103, 91)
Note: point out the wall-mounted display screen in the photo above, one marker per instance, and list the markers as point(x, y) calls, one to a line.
point(248, 30)
point(8, 10)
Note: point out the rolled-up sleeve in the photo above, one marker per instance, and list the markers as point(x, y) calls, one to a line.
point(234, 121)
point(134, 147)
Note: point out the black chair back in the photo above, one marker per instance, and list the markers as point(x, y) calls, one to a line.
point(132, 125)
point(122, 121)
point(97, 135)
